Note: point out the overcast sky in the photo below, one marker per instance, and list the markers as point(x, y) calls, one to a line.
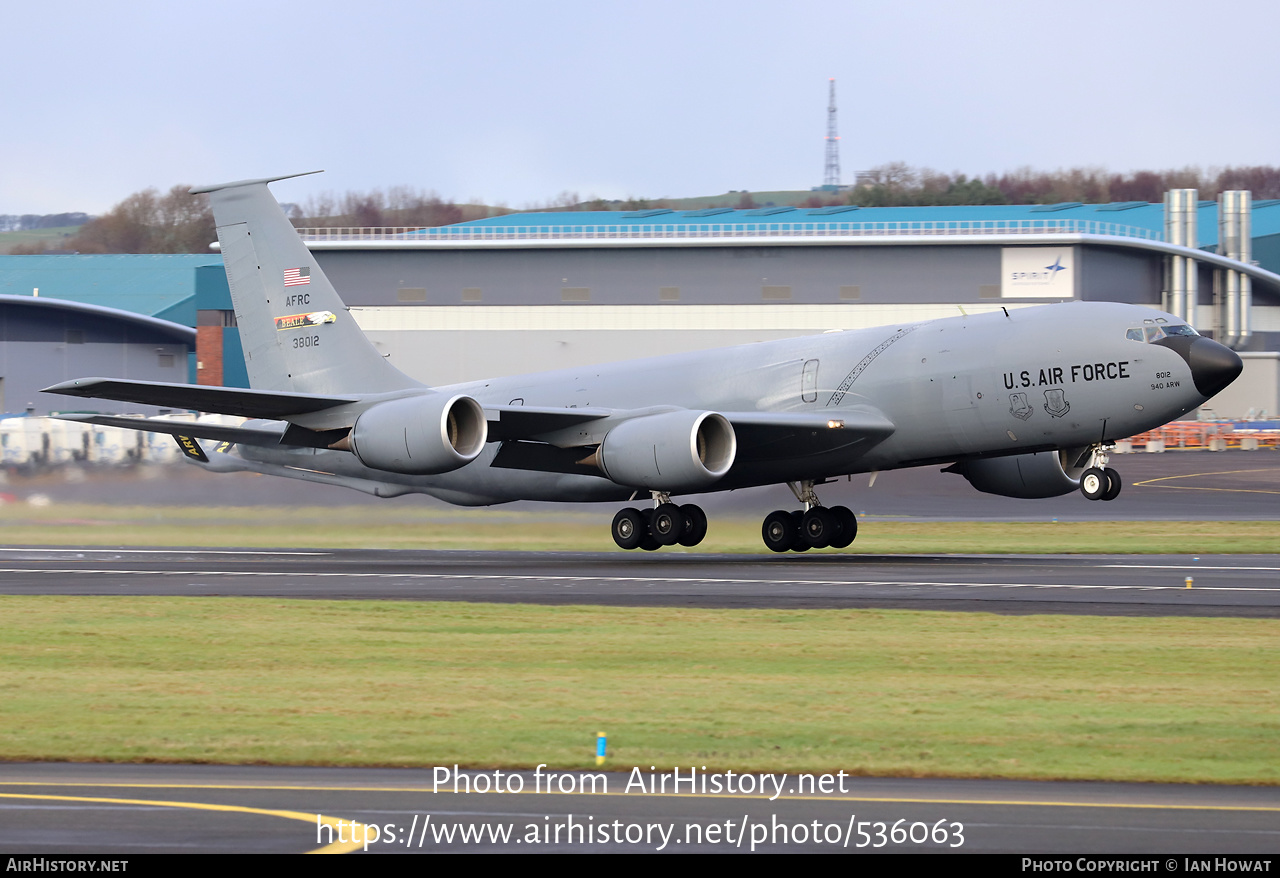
point(516, 102)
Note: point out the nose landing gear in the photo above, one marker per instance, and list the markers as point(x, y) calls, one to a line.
point(814, 527)
point(1099, 481)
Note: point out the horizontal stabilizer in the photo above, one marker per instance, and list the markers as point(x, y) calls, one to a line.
point(198, 190)
point(269, 404)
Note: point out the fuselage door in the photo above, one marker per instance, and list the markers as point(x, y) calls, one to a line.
point(809, 382)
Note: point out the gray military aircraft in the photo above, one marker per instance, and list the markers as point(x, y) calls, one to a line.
point(1021, 403)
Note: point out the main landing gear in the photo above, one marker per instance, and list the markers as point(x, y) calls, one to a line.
point(814, 527)
point(1099, 481)
point(666, 524)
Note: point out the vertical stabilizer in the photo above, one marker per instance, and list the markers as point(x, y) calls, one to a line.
point(296, 332)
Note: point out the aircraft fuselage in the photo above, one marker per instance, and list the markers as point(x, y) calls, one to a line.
point(1048, 377)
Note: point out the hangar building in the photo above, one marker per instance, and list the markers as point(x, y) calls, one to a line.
point(44, 341)
point(64, 317)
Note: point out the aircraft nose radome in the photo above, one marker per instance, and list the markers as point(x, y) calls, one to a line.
point(1213, 365)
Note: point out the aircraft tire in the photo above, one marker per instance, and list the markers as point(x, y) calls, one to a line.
point(1113, 484)
point(1093, 483)
point(848, 526)
point(695, 528)
point(629, 528)
point(818, 527)
point(779, 531)
point(647, 542)
point(667, 524)
point(797, 525)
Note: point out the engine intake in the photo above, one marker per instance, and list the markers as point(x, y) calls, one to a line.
point(420, 435)
point(672, 451)
point(1027, 476)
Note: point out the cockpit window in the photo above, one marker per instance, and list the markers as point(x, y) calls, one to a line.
point(1151, 333)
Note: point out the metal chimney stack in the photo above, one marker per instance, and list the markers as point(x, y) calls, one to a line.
point(1180, 271)
point(1234, 288)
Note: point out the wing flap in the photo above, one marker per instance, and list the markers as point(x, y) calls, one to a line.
point(261, 437)
point(528, 422)
point(806, 434)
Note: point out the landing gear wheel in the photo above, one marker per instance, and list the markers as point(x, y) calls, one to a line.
point(1113, 484)
point(797, 525)
point(818, 527)
point(629, 528)
point(1093, 483)
point(647, 542)
point(667, 524)
point(848, 523)
point(695, 525)
point(779, 531)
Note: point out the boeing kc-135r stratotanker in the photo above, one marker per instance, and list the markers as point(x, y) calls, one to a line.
point(1022, 403)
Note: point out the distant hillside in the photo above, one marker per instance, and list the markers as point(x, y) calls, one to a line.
point(29, 221)
point(37, 240)
point(737, 199)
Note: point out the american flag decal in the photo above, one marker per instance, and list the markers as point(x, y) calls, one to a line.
point(296, 277)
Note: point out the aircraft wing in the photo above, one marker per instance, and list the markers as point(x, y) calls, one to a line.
point(762, 437)
point(270, 404)
point(505, 421)
point(534, 437)
point(534, 423)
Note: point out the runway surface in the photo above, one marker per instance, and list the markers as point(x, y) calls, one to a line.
point(1146, 585)
point(115, 810)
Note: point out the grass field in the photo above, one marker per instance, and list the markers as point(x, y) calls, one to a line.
point(397, 527)
point(870, 692)
point(53, 238)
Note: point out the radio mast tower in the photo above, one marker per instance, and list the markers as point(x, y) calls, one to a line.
point(831, 176)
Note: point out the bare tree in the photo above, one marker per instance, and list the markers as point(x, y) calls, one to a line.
point(148, 222)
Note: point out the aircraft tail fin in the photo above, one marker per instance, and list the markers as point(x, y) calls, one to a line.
point(296, 333)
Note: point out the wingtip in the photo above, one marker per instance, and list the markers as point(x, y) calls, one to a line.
point(64, 386)
point(76, 386)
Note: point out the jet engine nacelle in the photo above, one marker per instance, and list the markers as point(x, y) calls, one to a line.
point(1028, 476)
point(420, 435)
point(672, 451)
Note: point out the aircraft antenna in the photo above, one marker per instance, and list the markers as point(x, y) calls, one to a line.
point(831, 176)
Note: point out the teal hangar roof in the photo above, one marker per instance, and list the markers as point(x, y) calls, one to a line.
point(1133, 218)
point(157, 285)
